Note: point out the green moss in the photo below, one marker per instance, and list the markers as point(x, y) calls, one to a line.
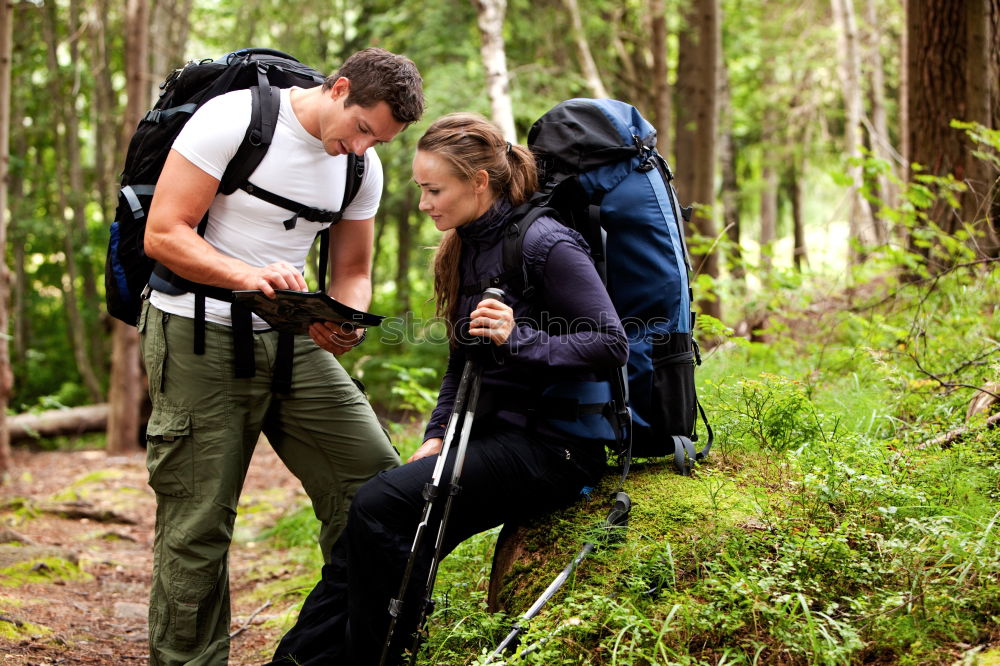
point(80, 488)
point(42, 570)
point(14, 631)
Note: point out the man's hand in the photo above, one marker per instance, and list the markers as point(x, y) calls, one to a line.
point(335, 338)
point(429, 448)
point(279, 275)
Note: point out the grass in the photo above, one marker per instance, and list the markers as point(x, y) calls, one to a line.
point(822, 530)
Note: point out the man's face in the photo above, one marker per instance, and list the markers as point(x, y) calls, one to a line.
point(354, 129)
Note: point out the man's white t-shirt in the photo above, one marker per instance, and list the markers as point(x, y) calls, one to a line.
point(296, 167)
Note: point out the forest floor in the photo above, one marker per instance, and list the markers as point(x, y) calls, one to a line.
point(76, 533)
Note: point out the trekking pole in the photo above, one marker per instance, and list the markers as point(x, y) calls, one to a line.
point(466, 399)
point(617, 518)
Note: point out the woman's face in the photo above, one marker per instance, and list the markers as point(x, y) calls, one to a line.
point(449, 200)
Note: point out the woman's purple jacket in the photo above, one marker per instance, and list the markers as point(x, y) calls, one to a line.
point(579, 337)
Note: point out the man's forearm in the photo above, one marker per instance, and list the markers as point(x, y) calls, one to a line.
point(352, 290)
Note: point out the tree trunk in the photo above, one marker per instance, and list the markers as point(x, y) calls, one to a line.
point(125, 392)
point(587, 65)
point(490, 17)
point(59, 422)
point(863, 231)
point(170, 25)
point(6, 375)
point(793, 189)
point(981, 175)
point(729, 188)
point(730, 195)
point(768, 216)
point(879, 131)
point(696, 121)
point(77, 328)
point(106, 116)
point(936, 92)
point(404, 237)
point(15, 236)
point(662, 110)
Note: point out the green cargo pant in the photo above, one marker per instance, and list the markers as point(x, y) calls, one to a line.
point(201, 435)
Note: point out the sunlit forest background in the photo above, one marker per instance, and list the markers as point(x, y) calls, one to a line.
point(791, 126)
point(842, 160)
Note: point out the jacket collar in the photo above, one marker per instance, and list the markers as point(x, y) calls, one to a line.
point(485, 229)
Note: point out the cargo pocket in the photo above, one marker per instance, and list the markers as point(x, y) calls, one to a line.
point(170, 453)
point(674, 402)
point(190, 599)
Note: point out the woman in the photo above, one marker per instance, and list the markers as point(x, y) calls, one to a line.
point(518, 463)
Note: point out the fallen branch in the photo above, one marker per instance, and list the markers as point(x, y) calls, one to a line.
point(952, 436)
point(56, 422)
point(243, 627)
point(81, 510)
point(12, 620)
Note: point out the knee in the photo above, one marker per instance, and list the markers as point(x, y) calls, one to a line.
point(371, 501)
point(382, 507)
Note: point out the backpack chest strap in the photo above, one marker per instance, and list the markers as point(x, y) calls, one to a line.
point(298, 210)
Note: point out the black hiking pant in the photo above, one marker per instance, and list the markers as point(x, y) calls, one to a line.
point(509, 474)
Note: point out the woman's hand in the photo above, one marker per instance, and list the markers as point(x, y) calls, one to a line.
point(428, 448)
point(333, 337)
point(492, 319)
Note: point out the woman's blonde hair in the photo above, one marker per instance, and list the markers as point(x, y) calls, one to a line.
point(470, 143)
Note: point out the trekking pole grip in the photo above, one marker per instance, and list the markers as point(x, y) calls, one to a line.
point(495, 293)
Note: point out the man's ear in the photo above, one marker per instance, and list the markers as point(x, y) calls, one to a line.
point(340, 88)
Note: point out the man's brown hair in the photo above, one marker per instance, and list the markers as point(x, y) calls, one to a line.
point(377, 75)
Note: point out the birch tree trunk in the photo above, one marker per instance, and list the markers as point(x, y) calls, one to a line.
point(879, 131)
point(696, 121)
point(126, 392)
point(863, 229)
point(587, 65)
point(170, 24)
point(490, 17)
point(6, 375)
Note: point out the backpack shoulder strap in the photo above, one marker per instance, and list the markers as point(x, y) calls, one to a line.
point(355, 174)
point(264, 109)
point(514, 272)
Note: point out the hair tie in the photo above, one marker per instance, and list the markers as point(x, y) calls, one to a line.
point(510, 148)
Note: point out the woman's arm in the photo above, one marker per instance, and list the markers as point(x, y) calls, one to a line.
point(584, 331)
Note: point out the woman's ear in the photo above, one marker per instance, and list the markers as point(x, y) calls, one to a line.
point(480, 181)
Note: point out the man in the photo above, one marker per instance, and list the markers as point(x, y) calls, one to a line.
point(205, 419)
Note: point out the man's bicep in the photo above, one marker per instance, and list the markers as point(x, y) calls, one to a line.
point(183, 194)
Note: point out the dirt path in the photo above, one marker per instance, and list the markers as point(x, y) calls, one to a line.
point(75, 585)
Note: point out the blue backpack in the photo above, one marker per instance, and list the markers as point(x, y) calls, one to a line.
point(600, 174)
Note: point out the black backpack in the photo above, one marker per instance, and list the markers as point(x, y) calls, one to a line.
point(601, 175)
point(264, 71)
